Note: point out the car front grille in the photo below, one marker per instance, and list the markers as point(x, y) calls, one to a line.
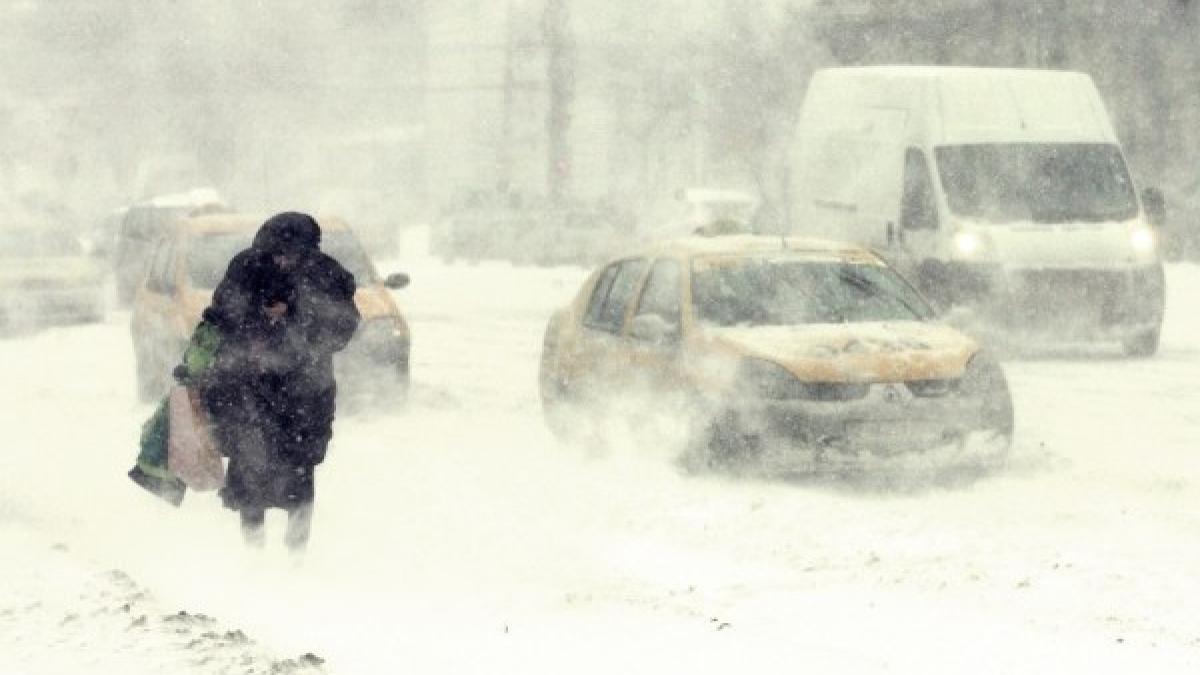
point(932, 388)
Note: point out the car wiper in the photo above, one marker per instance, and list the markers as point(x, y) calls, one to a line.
point(874, 291)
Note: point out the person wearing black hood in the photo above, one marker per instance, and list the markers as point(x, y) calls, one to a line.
point(283, 310)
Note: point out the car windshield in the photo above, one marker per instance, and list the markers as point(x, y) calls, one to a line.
point(210, 254)
point(29, 242)
point(764, 291)
point(1043, 183)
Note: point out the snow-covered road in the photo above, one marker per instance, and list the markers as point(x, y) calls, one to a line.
point(458, 536)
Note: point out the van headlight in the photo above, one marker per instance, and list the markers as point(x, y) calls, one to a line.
point(968, 244)
point(1143, 239)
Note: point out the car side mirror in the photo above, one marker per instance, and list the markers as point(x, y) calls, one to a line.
point(654, 329)
point(397, 281)
point(1155, 205)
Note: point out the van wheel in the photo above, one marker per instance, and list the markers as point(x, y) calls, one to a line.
point(1143, 344)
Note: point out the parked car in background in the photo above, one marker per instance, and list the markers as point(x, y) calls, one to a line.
point(802, 351)
point(46, 276)
point(144, 224)
point(188, 263)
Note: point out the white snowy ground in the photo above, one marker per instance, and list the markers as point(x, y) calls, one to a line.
point(459, 537)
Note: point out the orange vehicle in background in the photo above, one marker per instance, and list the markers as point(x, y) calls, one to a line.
point(188, 263)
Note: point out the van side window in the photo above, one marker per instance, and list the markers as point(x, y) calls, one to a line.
point(917, 210)
point(609, 315)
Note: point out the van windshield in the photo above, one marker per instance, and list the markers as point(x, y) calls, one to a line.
point(1042, 183)
point(782, 291)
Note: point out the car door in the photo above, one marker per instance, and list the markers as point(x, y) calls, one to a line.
point(655, 332)
point(602, 349)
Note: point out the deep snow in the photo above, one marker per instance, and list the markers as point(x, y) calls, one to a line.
point(458, 536)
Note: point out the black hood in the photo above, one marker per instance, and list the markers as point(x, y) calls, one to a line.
point(288, 232)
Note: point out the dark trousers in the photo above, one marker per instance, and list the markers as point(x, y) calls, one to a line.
point(299, 524)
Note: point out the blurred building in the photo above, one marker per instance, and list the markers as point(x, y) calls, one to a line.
point(598, 100)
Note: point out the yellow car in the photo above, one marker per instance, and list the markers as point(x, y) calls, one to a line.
point(812, 349)
point(186, 266)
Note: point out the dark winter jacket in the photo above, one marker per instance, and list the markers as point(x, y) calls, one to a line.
point(271, 390)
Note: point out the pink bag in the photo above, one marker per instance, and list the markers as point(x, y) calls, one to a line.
point(191, 451)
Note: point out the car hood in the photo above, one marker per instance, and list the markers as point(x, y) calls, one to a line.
point(50, 272)
point(876, 352)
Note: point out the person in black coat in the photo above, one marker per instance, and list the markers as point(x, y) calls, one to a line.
point(283, 309)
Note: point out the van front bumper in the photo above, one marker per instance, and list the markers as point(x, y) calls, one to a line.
point(1082, 303)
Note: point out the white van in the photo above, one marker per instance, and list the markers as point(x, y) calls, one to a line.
point(1003, 191)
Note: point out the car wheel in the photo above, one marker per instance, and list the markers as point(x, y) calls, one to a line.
point(984, 380)
point(1143, 344)
point(730, 443)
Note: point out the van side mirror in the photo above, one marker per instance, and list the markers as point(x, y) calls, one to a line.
point(1155, 205)
point(397, 281)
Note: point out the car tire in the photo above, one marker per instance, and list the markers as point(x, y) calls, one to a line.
point(1142, 345)
point(986, 380)
point(729, 443)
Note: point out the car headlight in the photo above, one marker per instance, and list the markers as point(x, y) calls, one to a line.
point(380, 330)
point(763, 379)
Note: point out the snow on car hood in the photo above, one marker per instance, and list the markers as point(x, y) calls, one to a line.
point(893, 352)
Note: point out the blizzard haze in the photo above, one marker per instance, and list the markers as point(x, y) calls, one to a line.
point(498, 153)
